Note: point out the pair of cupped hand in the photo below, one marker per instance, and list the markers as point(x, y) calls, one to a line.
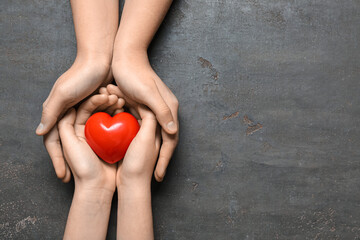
point(138, 85)
point(140, 158)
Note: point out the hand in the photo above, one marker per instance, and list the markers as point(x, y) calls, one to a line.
point(95, 23)
point(133, 180)
point(140, 84)
point(68, 90)
point(140, 158)
point(94, 179)
point(87, 168)
point(135, 77)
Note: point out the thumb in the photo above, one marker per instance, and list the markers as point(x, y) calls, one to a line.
point(148, 121)
point(52, 108)
point(163, 113)
point(66, 128)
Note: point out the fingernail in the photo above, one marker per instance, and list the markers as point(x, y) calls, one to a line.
point(171, 126)
point(40, 127)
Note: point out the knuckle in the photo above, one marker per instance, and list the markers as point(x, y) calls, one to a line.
point(164, 109)
point(62, 91)
point(175, 103)
point(45, 111)
point(171, 141)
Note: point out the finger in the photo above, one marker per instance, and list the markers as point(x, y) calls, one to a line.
point(162, 111)
point(53, 146)
point(103, 90)
point(112, 89)
point(112, 99)
point(67, 130)
point(169, 98)
point(148, 121)
point(67, 177)
point(117, 111)
point(167, 149)
point(52, 108)
point(88, 107)
point(115, 107)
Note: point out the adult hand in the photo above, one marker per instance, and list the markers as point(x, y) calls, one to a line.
point(95, 25)
point(169, 141)
point(137, 80)
point(82, 79)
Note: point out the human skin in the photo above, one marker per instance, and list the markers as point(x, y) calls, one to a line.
point(96, 24)
point(95, 180)
point(133, 176)
point(135, 77)
point(133, 180)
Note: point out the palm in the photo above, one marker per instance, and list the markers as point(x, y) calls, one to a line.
point(87, 163)
point(84, 163)
point(142, 153)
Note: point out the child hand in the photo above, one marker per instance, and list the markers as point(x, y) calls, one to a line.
point(94, 179)
point(88, 170)
point(139, 161)
point(133, 180)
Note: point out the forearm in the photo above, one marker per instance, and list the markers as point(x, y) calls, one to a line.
point(134, 212)
point(139, 22)
point(95, 23)
point(89, 214)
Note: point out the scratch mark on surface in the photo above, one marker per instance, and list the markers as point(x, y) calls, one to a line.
point(219, 164)
point(207, 64)
point(23, 223)
point(252, 128)
point(247, 120)
point(235, 114)
point(194, 186)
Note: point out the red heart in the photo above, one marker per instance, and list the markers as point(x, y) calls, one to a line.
point(110, 137)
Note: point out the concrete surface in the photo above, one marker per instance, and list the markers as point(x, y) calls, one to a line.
point(270, 116)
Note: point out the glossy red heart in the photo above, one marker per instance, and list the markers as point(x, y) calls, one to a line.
point(109, 137)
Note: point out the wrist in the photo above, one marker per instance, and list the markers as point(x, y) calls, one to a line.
point(134, 190)
point(91, 56)
point(93, 195)
point(97, 63)
point(141, 183)
point(124, 52)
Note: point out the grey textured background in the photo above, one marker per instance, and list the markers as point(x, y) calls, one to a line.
point(270, 116)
